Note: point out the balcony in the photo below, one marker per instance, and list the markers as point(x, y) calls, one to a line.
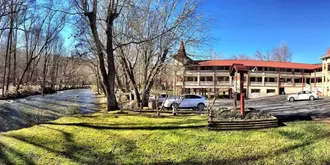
point(298, 84)
point(270, 83)
point(286, 74)
point(191, 83)
point(286, 84)
point(207, 83)
point(223, 83)
point(191, 72)
point(255, 83)
point(206, 72)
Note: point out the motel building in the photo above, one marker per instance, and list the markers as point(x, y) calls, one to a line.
point(265, 78)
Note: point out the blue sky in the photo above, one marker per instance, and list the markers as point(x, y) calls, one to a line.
point(244, 26)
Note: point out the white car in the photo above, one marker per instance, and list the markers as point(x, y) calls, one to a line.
point(303, 95)
point(187, 101)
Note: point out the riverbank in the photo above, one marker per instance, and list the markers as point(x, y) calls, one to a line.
point(35, 91)
point(31, 110)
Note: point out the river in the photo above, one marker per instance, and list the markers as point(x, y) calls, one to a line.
point(20, 113)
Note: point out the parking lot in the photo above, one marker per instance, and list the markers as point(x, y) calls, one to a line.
point(280, 107)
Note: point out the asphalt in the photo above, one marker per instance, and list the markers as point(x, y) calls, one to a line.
point(284, 110)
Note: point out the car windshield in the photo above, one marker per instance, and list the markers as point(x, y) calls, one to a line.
point(163, 95)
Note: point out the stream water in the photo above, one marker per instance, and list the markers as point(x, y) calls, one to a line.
point(20, 113)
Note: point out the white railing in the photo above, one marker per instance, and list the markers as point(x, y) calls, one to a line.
point(192, 72)
point(287, 84)
point(255, 83)
point(270, 83)
point(206, 83)
point(191, 83)
point(223, 83)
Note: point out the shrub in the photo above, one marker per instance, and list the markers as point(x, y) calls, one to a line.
point(227, 114)
point(73, 110)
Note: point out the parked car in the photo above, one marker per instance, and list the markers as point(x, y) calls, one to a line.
point(162, 97)
point(188, 101)
point(303, 95)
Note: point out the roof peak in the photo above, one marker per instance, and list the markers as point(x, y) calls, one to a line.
point(182, 50)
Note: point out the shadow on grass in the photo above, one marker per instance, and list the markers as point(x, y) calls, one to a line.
point(253, 158)
point(78, 153)
point(119, 127)
point(4, 159)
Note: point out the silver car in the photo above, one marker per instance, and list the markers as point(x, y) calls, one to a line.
point(187, 101)
point(303, 95)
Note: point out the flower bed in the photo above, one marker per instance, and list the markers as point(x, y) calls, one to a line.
point(226, 119)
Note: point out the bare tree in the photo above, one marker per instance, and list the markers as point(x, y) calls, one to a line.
point(39, 34)
point(281, 53)
point(105, 52)
point(240, 57)
point(155, 28)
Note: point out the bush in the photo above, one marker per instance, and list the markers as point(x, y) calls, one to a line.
point(227, 114)
point(73, 110)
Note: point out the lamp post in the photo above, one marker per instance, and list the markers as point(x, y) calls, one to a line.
point(241, 69)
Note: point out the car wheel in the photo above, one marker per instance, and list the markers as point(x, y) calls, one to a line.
point(200, 107)
point(291, 99)
point(311, 98)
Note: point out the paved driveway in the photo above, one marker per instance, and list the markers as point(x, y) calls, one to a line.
point(278, 106)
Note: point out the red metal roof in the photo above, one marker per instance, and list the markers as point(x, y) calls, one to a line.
point(240, 68)
point(259, 63)
point(327, 55)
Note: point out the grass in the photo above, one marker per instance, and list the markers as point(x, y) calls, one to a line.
point(140, 139)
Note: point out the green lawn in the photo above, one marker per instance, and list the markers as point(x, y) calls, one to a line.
point(140, 139)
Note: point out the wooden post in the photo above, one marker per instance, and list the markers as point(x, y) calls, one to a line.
point(315, 78)
point(241, 82)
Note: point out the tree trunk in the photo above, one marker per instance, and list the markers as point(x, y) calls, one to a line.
point(44, 74)
point(112, 103)
point(15, 58)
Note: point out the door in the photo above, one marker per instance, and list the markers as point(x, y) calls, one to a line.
point(303, 95)
point(281, 91)
point(185, 101)
point(194, 100)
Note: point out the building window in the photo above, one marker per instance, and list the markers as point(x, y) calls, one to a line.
point(193, 68)
point(220, 68)
point(255, 90)
point(297, 70)
point(208, 78)
point(206, 68)
point(297, 80)
point(271, 69)
point(271, 79)
point(288, 70)
point(282, 69)
point(270, 91)
point(259, 68)
point(252, 79)
point(191, 78)
point(223, 78)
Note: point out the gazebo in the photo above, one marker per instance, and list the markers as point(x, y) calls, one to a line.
point(241, 69)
